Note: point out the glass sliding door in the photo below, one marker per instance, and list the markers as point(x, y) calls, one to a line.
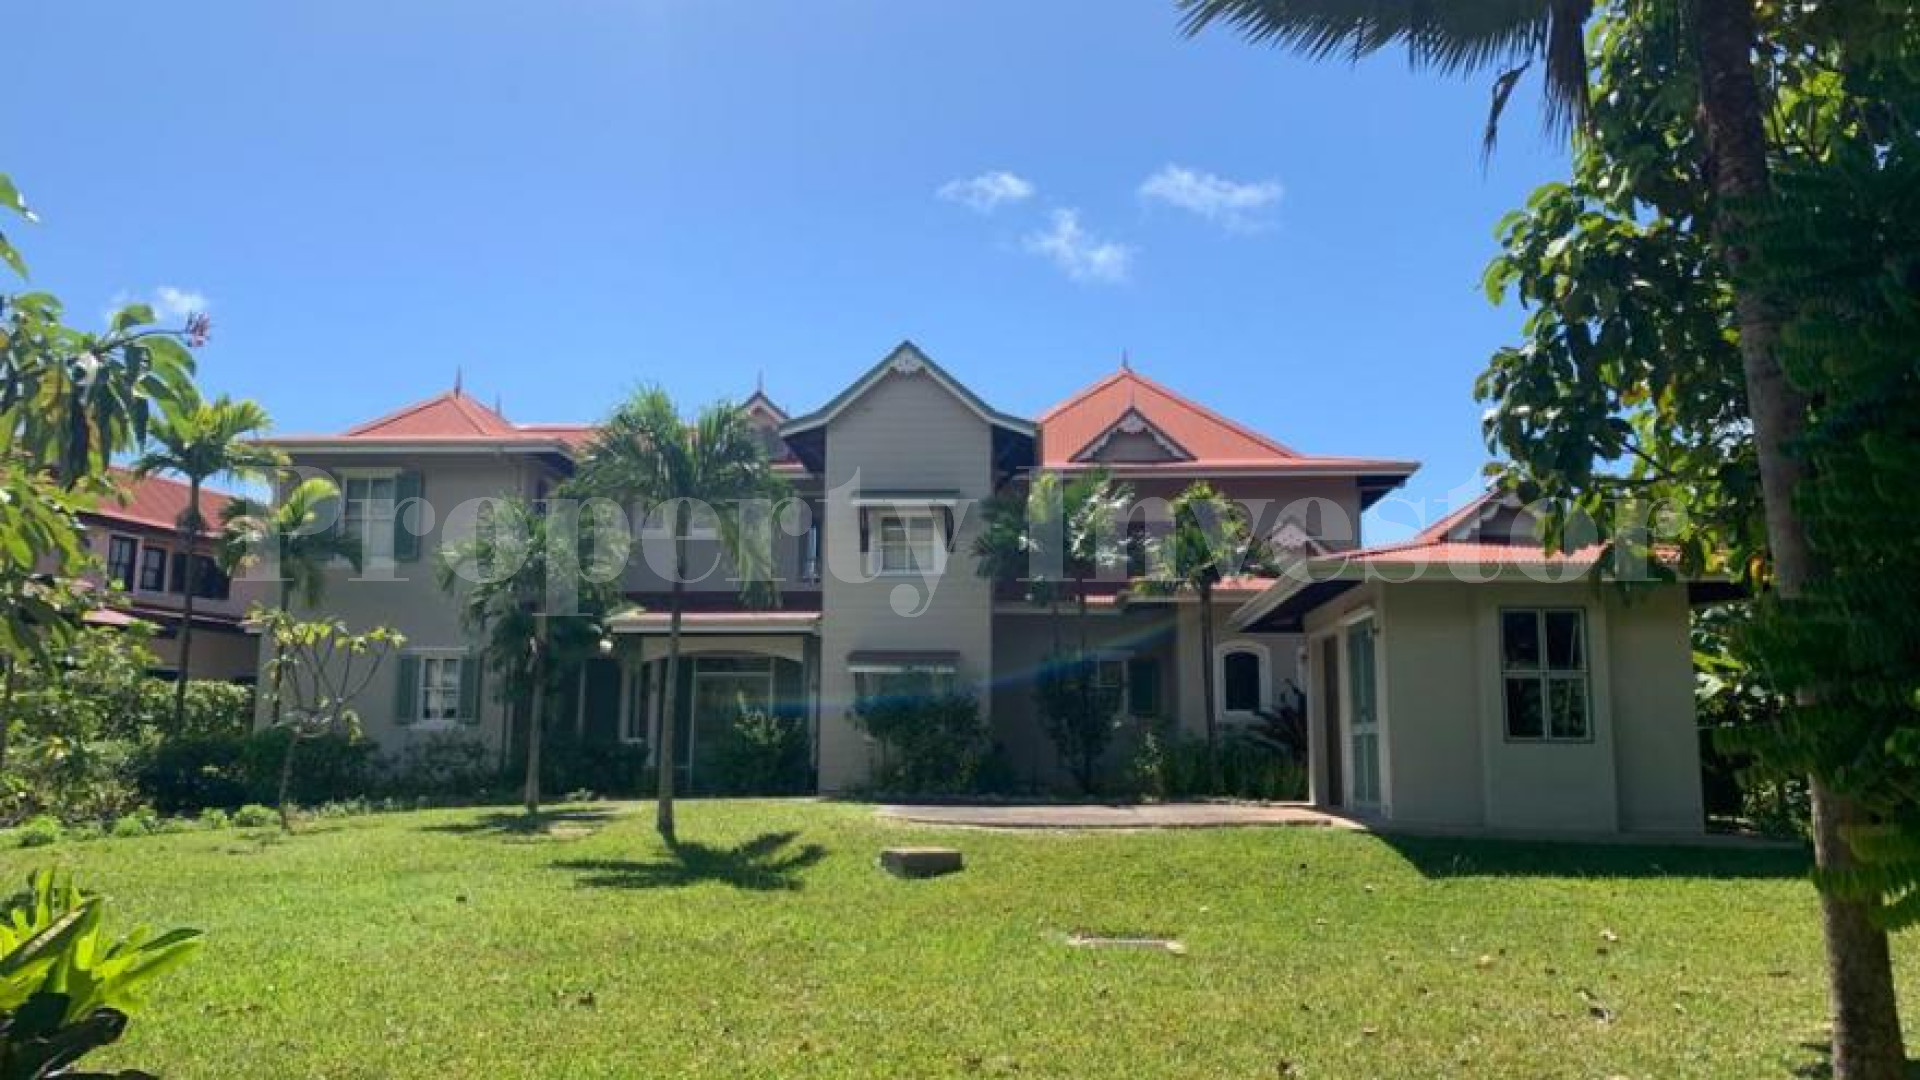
point(1363, 711)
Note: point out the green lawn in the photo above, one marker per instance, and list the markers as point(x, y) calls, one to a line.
point(448, 944)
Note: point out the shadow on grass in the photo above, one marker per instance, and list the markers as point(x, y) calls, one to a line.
point(767, 863)
point(547, 824)
point(1821, 1065)
point(1461, 857)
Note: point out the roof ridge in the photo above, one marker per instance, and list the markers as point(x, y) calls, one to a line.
point(1181, 399)
point(1438, 530)
point(1082, 394)
point(484, 420)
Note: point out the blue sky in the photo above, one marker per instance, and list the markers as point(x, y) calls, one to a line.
point(566, 199)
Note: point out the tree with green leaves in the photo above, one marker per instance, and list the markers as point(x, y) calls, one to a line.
point(201, 440)
point(322, 667)
point(293, 541)
point(1054, 536)
point(532, 586)
point(69, 401)
point(651, 460)
point(1210, 539)
point(1723, 59)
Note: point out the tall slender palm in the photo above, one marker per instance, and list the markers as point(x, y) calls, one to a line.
point(649, 458)
point(504, 574)
point(1473, 35)
point(199, 441)
point(293, 540)
point(1210, 539)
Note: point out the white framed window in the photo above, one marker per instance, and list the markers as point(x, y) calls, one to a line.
point(441, 678)
point(368, 504)
point(1243, 678)
point(907, 543)
point(902, 680)
point(1545, 694)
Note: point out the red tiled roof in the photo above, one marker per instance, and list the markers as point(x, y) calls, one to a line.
point(157, 502)
point(1461, 553)
point(449, 415)
point(1205, 438)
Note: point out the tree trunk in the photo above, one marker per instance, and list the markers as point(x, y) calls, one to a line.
point(1208, 691)
point(286, 783)
point(190, 534)
point(536, 721)
point(663, 813)
point(273, 657)
point(1867, 1043)
point(6, 711)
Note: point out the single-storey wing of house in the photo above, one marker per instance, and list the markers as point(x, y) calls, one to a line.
point(1467, 679)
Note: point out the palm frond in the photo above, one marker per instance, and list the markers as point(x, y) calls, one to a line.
point(1455, 37)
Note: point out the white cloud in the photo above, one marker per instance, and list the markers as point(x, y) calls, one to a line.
point(1229, 203)
point(169, 303)
point(1078, 253)
point(987, 192)
point(175, 303)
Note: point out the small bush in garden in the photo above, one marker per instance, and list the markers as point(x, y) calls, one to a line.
point(255, 816)
point(569, 764)
point(181, 775)
point(763, 753)
point(935, 743)
point(442, 764)
point(135, 824)
point(331, 767)
point(214, 818)
point(39, 831)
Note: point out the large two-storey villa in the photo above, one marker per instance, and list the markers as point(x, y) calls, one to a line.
point(1502, 698)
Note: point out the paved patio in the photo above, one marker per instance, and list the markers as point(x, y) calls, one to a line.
point(1124, 816)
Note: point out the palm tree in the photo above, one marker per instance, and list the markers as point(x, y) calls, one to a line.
point(291, 539)
point(199, 441)
point(502, 574)
point(1055, 537)
point(650, 459)
point(1477, 35)
point(1210, 540)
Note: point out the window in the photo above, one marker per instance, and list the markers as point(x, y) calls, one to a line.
point(902, 682)
point(1241, 680)
point(1543, 664)
point(1143, 687)
point(440, 688)
point(1110, 676)
point(153, 569)
point(367, 505)
point(120, 556)
point(209, 582)
point(907, 544)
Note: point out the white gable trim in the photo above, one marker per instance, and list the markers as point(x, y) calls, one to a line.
point(1132, 423)
point(906, 360)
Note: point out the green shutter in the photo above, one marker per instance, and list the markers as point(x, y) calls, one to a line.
point(471, 668)
point(1143, 687)
point(407, 488)
point(406, 690)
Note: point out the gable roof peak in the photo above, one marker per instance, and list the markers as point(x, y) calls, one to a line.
point(452, 412)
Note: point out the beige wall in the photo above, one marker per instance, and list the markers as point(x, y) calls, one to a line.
point(1447, 759)
point(405, 595)
point(906, 432)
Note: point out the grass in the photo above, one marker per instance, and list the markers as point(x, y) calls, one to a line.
point(463, 943)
